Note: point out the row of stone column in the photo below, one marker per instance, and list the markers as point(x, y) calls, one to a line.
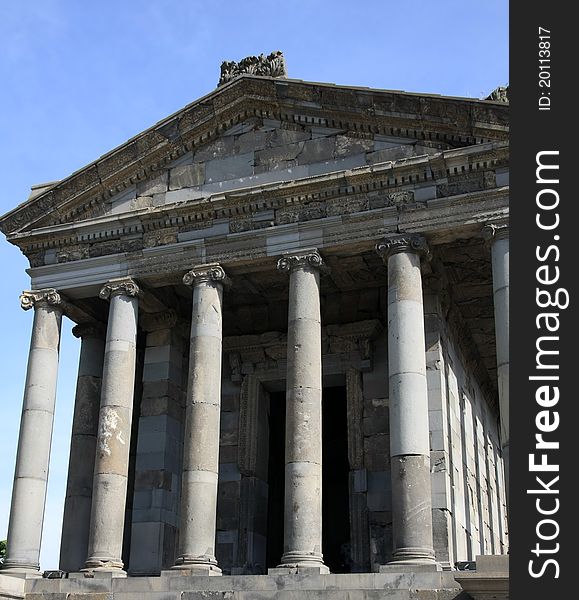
point(95, 503)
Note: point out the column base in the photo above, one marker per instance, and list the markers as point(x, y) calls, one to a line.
point(303, 562)
point(411, 559)
point(95, 566)
point(194, 565)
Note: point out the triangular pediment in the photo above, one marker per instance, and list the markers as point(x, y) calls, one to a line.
point(256, 132)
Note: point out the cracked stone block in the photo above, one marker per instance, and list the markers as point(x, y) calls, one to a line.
point(187, 176)
point(157, 185)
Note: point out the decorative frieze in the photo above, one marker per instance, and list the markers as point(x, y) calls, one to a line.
point(295, 214)
point(162, 237)
point(252, 353)
point(160, 320)
point(249, 409)
point(351, 337)
point(355, 408)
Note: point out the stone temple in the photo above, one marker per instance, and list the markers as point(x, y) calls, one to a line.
point(292, 304)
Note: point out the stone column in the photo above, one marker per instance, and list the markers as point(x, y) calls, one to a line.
point(77, 504)
point(109, 493)
point(201, 452)
point(33, 456)
point(303, 448)
point(409, 427)
point(498, 236)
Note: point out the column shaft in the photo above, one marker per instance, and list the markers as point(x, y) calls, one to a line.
point(77, 504)
point(409, 427)
point(303, 449)
point(201, 451)
point(500, 261)
point(33, 456)
point(114, 429)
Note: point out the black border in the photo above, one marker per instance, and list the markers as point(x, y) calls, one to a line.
point(533, 131)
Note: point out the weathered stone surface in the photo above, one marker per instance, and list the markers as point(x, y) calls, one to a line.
point(282, 156)
point(156, 185)
point(376, 420)
point(240, 165)
point(186, 176)
point(114, 432)
point(377, 452)
point(408, 405)
point(198, 511)
point(77, 505)
point(31, 472)
point(346, 145)
point(314, 151)
point(303, 455)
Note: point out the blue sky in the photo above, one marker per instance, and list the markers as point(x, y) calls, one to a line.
point(80, 78)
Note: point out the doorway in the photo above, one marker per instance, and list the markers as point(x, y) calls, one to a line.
point(335, 477)
point(275, 479)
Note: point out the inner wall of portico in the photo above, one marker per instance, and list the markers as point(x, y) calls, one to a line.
point(468, 496)
point(159, 445)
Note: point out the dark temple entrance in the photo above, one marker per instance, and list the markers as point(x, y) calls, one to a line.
point(335, 474)
point(275, 479)
point(335, 497)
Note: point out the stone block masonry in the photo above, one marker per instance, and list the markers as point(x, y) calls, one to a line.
point(159, 446)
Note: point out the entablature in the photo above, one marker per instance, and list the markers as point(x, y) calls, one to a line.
point(408, 184)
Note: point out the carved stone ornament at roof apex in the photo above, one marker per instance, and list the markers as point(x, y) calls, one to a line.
point(499, 94)
point(30, 298)
point(272, 65)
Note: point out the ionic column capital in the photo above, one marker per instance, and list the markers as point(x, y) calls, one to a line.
point(30, 298)
point(302, 259)
point(211, 272)
point(495, 231)
point(407, 242)
point(124, 286)
point(89, 330)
